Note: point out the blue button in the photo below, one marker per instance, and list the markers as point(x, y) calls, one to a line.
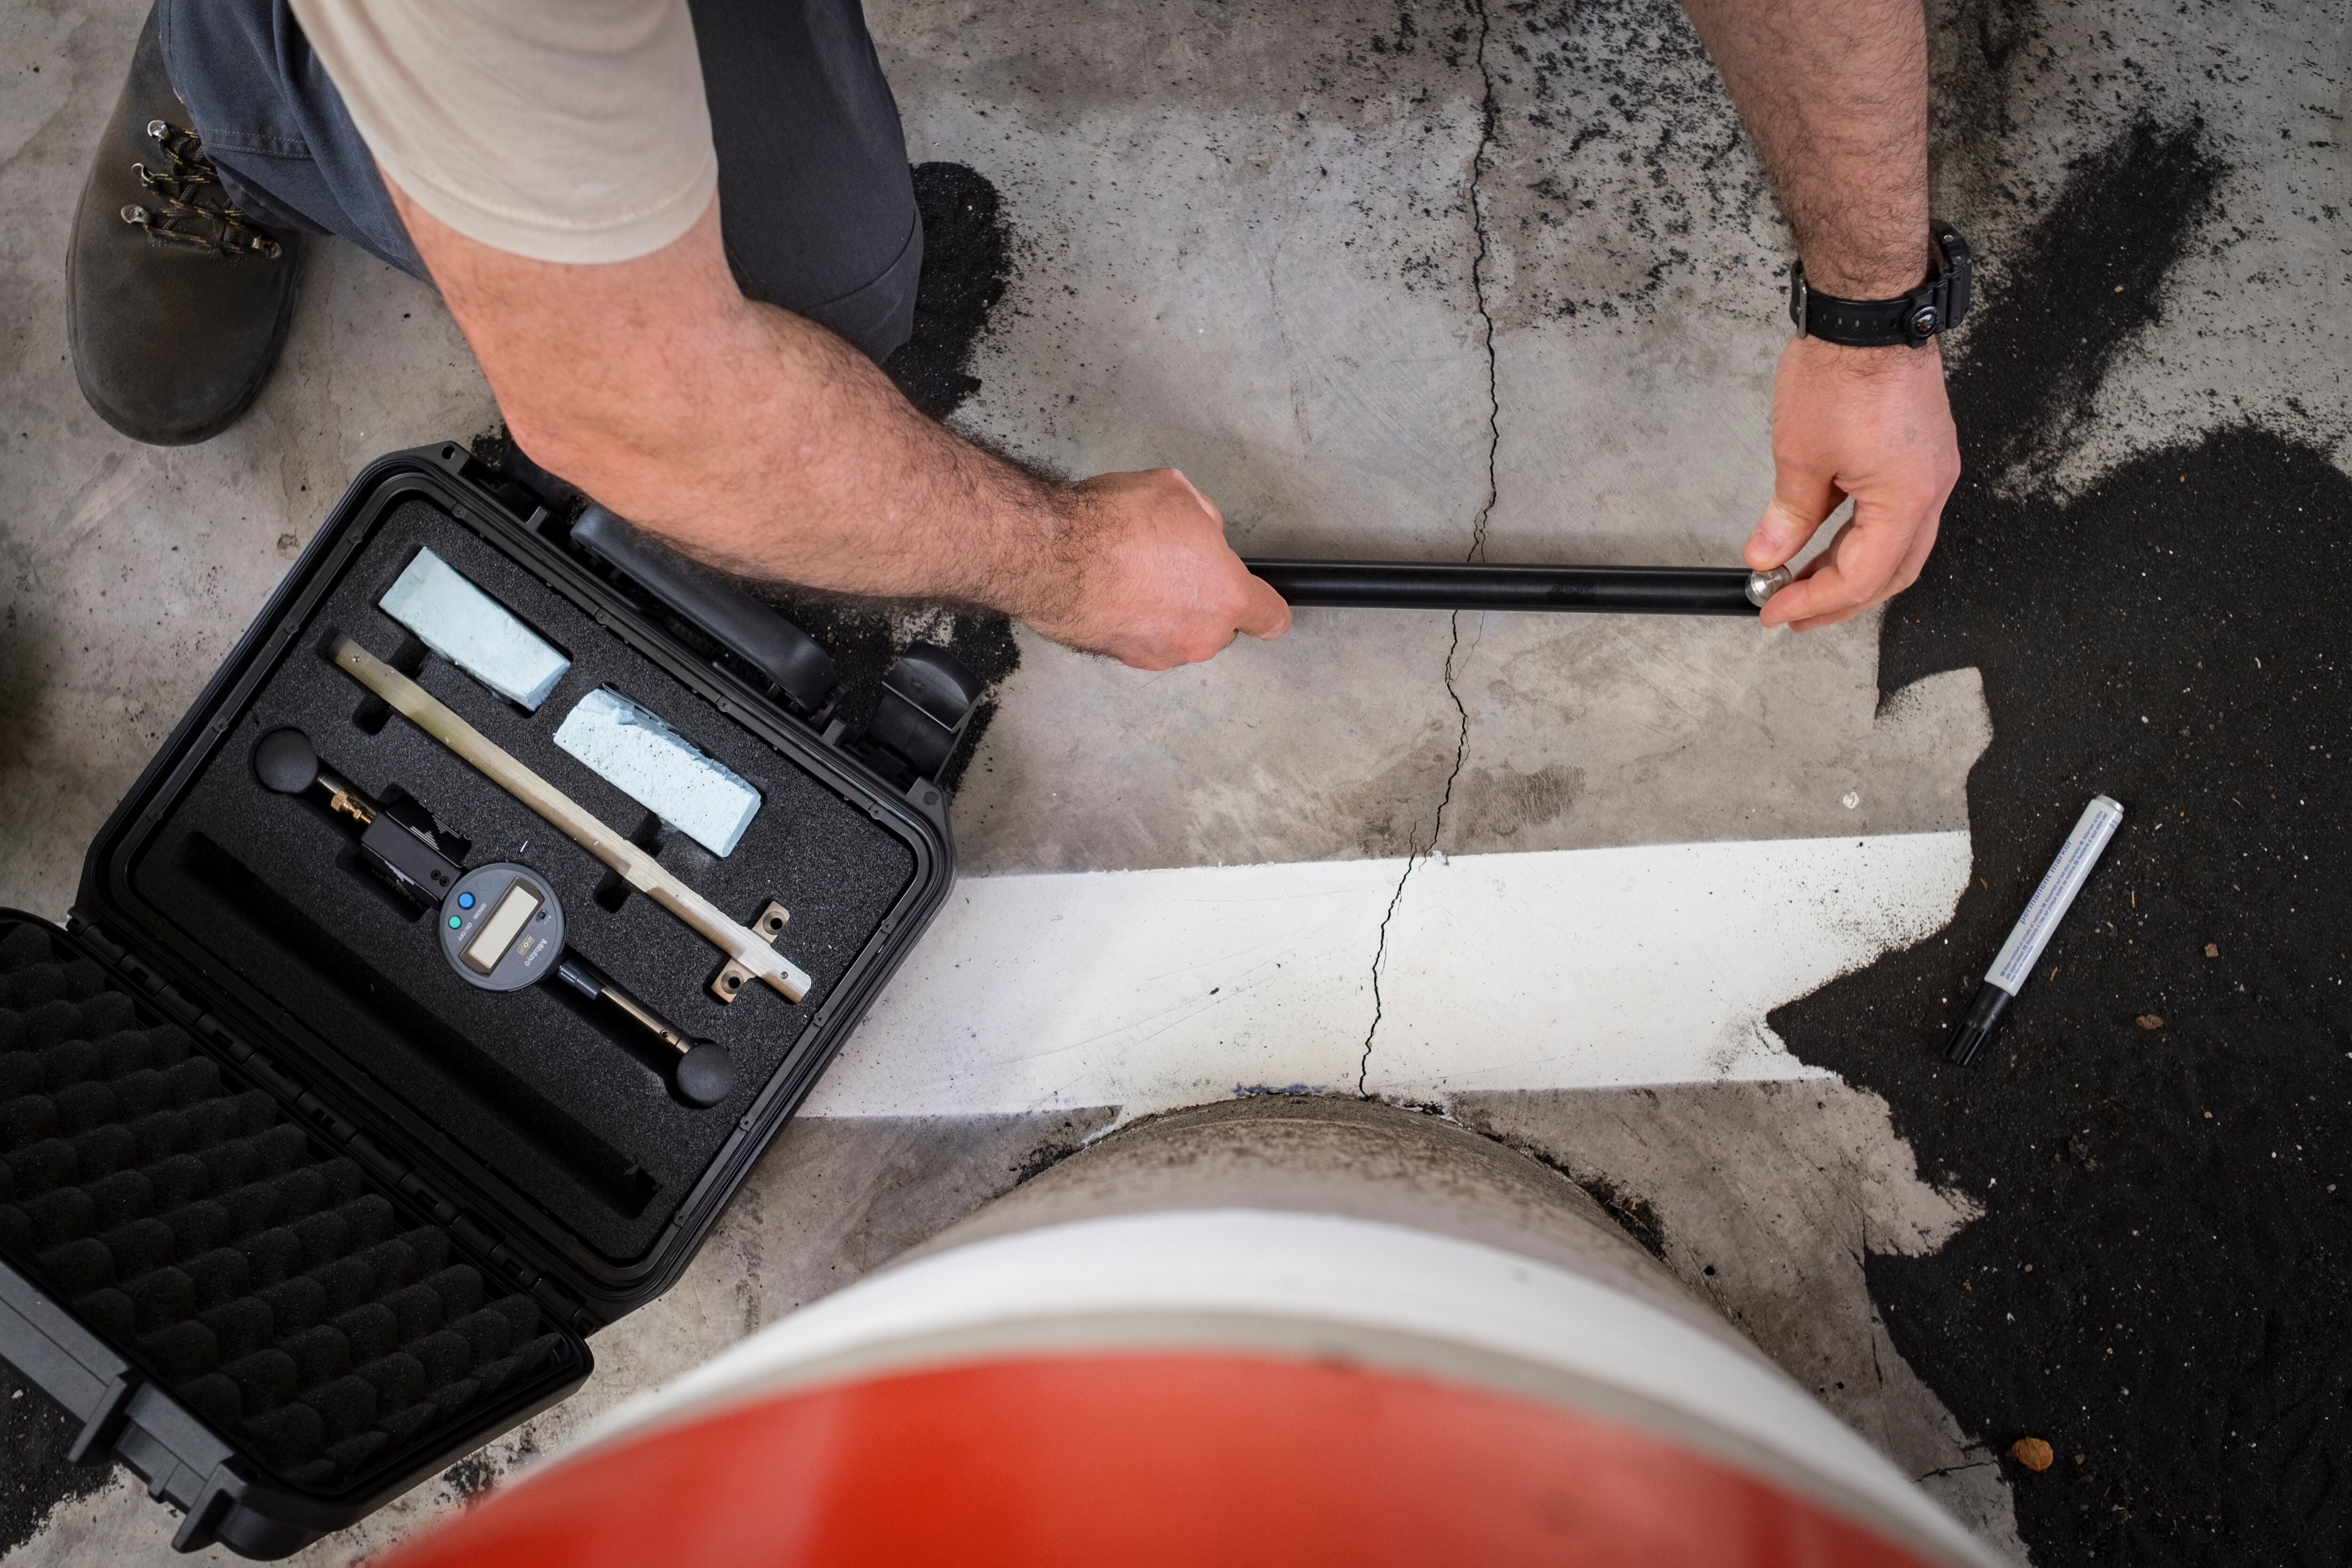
point(465, 901)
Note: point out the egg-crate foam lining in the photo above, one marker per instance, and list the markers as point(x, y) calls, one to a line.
point(562, 1098)
point(272, 1288)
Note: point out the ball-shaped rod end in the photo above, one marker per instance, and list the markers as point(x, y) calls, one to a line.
point(705, 1075)
point(1762, 585)
point(283, 760)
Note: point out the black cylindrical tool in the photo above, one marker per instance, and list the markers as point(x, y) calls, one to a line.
point(1481, 585)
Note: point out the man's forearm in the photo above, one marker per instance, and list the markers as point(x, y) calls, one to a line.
point(800, 460)
point(763, 444)
point(766, 446)
point(1836, 94)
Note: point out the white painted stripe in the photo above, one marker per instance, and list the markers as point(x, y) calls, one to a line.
point(1231, 1267)
point(1563, 969)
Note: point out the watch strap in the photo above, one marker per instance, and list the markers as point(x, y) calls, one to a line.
point(1908, 321)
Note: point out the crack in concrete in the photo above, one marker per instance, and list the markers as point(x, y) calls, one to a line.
point(1437, 826)
point(1486, 116)
point(1953, 1470)
point(1478, 550)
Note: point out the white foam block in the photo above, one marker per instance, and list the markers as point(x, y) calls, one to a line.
point(658, 768)
point(474, 631)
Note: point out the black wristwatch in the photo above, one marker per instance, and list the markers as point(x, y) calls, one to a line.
point(1911, 320)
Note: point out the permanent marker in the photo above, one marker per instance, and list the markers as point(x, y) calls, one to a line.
point(2034, 928)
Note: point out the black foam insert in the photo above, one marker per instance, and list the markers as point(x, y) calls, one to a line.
point(269, 1286)
point(560, 1097)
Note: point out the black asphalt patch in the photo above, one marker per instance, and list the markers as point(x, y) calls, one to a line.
point(2160, 1284)
point(34, 1433)
point(965, 266)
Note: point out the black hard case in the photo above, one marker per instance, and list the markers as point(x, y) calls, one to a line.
point(223, 1494)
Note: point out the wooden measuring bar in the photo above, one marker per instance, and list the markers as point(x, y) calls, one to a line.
point(636, 868)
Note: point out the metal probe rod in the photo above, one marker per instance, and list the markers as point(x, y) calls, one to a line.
point(705, 1073)
point(1479, 585)
point(636, 868)
point(599, 988)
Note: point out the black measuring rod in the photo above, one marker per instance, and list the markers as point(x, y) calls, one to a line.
point(1481, 585)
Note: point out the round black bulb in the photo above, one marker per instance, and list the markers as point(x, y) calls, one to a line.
point(285, 761)
point(705, 1075)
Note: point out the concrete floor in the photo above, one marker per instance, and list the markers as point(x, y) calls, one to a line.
point(1291, 255)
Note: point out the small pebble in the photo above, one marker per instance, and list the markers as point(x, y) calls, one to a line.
point(2149, 1021)
point(2032, 1452)
point(2212, 950)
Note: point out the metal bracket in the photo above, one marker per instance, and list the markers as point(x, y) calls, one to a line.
point(734, 976)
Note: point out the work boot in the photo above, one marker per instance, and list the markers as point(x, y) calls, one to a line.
point(177, 301)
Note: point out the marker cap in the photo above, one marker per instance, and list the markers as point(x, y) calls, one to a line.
point(1979, 1025)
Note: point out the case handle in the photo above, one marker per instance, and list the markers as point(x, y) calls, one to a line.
point(744, 626)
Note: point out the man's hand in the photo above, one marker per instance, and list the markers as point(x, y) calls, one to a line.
point(1871, 424)
point(1835, 93)
point(758, 442)
point(1147, 577)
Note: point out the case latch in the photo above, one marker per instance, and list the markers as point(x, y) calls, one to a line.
point(927, 697)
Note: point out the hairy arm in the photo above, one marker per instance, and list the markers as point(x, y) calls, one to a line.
point(760, 442)
point(1836, 94)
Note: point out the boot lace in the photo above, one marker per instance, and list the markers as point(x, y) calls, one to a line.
point(186, 202)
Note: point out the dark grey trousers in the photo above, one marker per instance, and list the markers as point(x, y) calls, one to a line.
point(815, 203)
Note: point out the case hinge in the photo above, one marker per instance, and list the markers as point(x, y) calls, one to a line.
point(122, 1416)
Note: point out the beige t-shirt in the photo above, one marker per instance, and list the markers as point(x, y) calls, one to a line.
point(559, 129)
